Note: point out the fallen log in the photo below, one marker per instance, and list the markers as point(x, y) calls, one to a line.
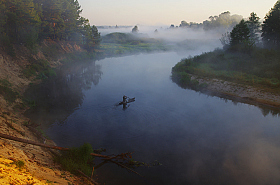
point(44, 145)
point(31, 142)
point(65, 149)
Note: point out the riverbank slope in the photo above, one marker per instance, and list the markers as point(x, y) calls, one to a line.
point(239, 92)
point(36, 163)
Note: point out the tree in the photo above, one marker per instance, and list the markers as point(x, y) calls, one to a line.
point(70, 15)
point(22, 22)
point(2, 16)
point(224, 21)
point(271, 27)
point(254, 27)
point(225, 40)
point(184, 24)
point(91, 37)
point(30, 21)
point(135, 29)
point(239, 34)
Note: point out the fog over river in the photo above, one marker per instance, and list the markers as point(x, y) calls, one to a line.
point(197, 138)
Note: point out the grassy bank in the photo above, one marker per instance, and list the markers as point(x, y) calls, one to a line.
point(115, 44)
point(258, 68)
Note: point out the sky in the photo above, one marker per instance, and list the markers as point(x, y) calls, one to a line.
point(166, 12)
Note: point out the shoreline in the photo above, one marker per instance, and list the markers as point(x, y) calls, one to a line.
point(38, 164)
point(239, 92)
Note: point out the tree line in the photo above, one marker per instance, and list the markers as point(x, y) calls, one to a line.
point(250, 55)
point(29, 22)
point(224, 21)
point(248, 34)
point(244, 34)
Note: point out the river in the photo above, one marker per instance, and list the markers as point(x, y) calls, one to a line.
point(197, 138)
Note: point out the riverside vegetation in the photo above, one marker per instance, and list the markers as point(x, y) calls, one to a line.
point(257, 68)
point(37, 36)
point(33, 44)
point(245, 58)
point(130, 43)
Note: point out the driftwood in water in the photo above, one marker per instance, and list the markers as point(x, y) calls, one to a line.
point(109, 158)
point(125, 167)
point(90, 179)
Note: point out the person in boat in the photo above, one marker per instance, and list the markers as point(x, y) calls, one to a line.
point(124, 99)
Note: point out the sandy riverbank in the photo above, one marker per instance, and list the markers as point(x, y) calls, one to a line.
point(240, 92)
point(39, 167)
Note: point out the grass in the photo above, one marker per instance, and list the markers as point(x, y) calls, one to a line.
point(112, 49)
point(77, 159)
point(20, 164)
point(40, 67)
point(259, 67)
point(124, 43)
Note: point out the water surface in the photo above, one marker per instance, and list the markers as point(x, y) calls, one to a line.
point(199, 139)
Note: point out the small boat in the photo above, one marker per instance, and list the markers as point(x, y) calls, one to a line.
point(126, 100)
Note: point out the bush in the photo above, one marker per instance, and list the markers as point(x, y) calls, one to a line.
point(40, 67)
point(20, 164)
point(77, 159)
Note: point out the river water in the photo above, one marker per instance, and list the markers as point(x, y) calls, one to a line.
point(197, 138)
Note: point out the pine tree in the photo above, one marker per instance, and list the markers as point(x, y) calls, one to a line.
point(2, 16)
point(22, 22)
point(254, 27)
point(271, 27)
point(91, 37)
point(239, 34)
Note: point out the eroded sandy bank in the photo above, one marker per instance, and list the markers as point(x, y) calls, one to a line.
point(240, 92)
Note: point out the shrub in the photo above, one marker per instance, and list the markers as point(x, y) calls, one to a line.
point(40, 67)
point(77, 159)
point(20, 164)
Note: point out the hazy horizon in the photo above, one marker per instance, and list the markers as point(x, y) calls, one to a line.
point(155, 12)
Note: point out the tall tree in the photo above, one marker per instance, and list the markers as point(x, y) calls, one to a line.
point(240, 34)
point(2, 16)
point(224, 21)
point(271, 27)
point(254, 26)
point(91, 37)
point(184, 24)
point(29, 21)
point(22, 21)
point(225, 40)
point(70, 15)
point(52, 23)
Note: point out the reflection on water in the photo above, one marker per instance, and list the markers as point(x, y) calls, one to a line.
point(198, 138)
point(60, 96)
point(266, 109)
